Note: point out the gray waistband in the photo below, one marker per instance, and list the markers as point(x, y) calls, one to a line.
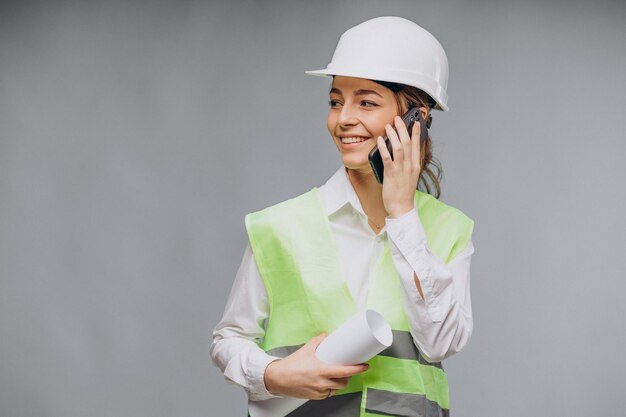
point(386, 403)
point(345, 405)
point(389, 403)
point(404, 348)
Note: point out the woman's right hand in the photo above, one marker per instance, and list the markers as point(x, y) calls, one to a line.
point(303, 375)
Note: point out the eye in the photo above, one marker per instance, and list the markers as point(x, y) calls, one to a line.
point(333, 103)
point(368, 103)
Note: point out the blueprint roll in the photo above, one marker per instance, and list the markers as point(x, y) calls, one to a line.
point(357, 340)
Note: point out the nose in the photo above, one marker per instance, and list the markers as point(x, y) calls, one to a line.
point(347, 117)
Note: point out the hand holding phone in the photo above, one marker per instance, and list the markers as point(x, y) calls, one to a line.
point(413, 115)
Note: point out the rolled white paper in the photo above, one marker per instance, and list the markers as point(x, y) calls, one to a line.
point(357, 340)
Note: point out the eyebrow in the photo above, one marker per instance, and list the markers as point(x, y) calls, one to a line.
point(360, 92)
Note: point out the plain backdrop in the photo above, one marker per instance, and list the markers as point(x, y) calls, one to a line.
point(135, 136)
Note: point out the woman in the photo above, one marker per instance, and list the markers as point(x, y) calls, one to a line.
point(353, 243)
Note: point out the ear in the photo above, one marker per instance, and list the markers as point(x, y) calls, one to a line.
point(424, 112)
point(426, 116)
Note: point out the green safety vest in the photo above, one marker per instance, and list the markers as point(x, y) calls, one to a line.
point(301, 268)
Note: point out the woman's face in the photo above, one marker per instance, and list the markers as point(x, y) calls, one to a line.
point(359, 110)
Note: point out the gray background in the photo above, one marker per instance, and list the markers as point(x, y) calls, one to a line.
point(134, 137)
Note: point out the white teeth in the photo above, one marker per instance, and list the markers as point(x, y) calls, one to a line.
point(354, 139)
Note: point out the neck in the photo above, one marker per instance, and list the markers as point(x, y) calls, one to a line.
point(369, 191)
point(363, 179)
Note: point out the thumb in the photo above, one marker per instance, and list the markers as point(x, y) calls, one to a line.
point(315, 341)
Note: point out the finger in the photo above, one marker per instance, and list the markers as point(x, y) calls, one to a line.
point(334, 384)
point(402, 130)
point(322, 395)
point(405, 140)
point(314, 342)
point(396, 146)
point(345, 371)
point(340, 383)
point(331, 384)
point(384, 152)
point(416, 145)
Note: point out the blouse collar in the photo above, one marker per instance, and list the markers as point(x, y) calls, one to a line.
point(338, 191)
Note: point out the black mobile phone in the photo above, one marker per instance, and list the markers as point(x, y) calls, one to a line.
point(413, 115)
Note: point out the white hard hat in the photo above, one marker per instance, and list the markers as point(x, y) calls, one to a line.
point(394, 49)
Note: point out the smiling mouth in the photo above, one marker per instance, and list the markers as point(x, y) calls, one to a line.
point(353, 139)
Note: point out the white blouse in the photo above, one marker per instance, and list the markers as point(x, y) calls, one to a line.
point(441, 323)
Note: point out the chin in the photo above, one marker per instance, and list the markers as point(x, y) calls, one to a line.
point(355, 162)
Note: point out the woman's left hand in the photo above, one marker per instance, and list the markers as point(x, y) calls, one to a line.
point(401, 173)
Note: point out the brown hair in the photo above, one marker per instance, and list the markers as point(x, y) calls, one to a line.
point(407, 96)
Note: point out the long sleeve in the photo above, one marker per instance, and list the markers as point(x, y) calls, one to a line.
point(235, 348)
point(441, 323)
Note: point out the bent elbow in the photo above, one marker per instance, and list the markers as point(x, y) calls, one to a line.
point(434, 354)
point(445, 345)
